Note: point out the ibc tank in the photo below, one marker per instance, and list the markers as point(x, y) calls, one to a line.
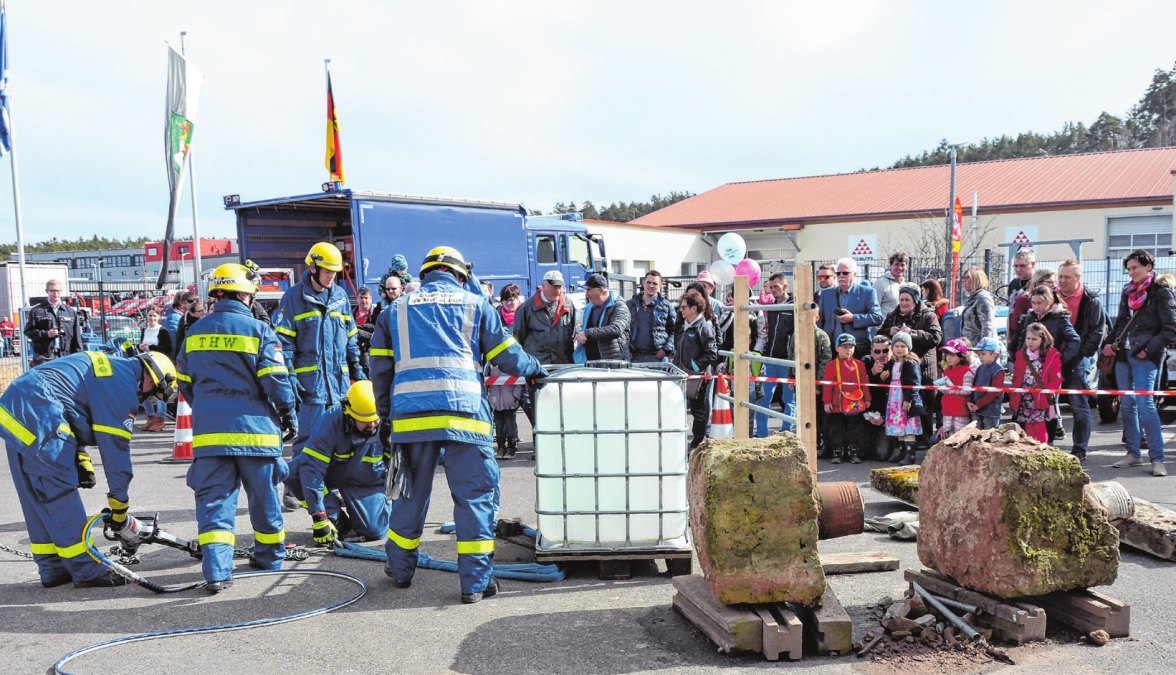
point(610, 458)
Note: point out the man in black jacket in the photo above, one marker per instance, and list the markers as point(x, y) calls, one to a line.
point(53, 327)
point(780, 325)
point(605, 334)
point(1086, 311)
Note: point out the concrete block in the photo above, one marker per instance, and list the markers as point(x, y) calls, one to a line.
point(1003, 514)
point(753, 514)
point(731, 628)
point(783, 632)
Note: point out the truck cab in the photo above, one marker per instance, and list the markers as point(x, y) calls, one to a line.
point(502, 242)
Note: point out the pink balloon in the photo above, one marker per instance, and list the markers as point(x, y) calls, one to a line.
point(750, 269)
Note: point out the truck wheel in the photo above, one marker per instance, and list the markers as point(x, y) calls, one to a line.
point(1108, 409)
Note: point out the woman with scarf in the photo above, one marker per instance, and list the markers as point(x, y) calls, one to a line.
point(697, 353)
point(1144, 328)
point(917, 319)
point(505, 399)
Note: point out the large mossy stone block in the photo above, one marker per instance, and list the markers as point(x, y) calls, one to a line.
point(1003, 514)
point(753, 514)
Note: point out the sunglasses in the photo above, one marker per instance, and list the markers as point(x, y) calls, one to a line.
point(844, 274)
point(880, 351)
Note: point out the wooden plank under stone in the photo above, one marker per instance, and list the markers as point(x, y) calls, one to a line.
point(730, 627)
point(1019, 623)
point(828, 625)
point(783, 632)
point(851, 563)
point(1087, 611)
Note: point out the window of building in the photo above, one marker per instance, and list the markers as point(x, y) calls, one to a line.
point(640, 267)
point(617, 266)
point(686, 270)
point(1150, 233)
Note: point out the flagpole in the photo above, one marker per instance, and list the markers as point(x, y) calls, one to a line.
point(196, 272)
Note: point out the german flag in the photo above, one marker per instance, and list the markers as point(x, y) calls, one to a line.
point(334, 149)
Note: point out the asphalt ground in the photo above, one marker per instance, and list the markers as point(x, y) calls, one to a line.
point(580, 625)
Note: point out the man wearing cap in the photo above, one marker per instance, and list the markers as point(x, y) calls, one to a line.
point(850, 308)
point(545, 328)
point(605, 332)
point(704, 277)
point(651, 334)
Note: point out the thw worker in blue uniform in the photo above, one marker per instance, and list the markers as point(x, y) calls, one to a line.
point(426, 369)
point(232, 372)
point(343, 455)
point(47, 418)
point(317, 331)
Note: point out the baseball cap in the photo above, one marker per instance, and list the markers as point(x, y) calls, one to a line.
point(846, 339)
point(554, 277)
point(596, 281)
point(988, 344)
point(955, 346)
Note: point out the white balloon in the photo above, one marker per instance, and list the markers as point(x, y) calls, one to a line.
point(722, 272)
point(732, 248)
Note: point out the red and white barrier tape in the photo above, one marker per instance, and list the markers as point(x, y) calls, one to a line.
point(506, 381)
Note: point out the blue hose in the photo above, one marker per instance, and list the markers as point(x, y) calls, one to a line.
point(519, 572)
point(449, 527)
point(140, 581)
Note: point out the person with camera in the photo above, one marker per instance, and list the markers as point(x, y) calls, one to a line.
point(849, 308)
point(53, 327)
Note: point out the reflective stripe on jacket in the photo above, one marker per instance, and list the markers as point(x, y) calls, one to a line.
point(321, 340)
point(232, 371)
point(426, 362)
point(334, 457)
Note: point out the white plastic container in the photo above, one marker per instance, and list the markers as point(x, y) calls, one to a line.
point(610, 459)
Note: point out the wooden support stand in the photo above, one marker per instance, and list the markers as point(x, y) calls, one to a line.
point(805, 324)
point(1017, 621)
point(741, 390)
point(616, 565)
point(1087, 611)
point(774, 629)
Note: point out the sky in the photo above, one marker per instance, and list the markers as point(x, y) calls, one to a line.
point(534, 102)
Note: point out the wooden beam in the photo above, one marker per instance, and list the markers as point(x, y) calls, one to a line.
point(852, 563)
point(805, 323)
point(742, 390)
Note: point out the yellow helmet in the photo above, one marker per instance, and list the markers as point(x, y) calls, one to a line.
point(231, 277)
point(445, 256)
point(361, 402)
point(163, 374)
point(325, 255)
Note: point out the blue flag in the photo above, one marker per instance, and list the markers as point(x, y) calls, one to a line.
point(5, 140)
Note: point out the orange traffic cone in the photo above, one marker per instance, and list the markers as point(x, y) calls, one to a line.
point(182, 447)
point(722, 423)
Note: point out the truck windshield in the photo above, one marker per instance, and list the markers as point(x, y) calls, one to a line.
point(578, 252)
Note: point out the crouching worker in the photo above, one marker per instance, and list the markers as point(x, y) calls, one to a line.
point(344, 455)
point(232, 372)
point(48, 416)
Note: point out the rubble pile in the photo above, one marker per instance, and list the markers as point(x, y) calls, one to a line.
point(909, 628)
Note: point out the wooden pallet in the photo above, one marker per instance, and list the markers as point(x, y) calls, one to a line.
point(1087, 611)
point(616, 564)
point(1017, 621)
point(774, 629)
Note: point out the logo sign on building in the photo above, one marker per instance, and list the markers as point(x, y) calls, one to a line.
point(863, 247)
point(1021, 235)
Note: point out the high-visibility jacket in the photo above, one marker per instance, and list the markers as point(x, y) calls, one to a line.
point(426, 359)
point(232, 371)
point(89, 396)
point(334, 457)
point(321, 340)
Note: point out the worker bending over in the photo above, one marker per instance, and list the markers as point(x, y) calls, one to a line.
point(48, 416)
point(426, 362)
point(232, 372)
point(317, 331)
point(344, 456)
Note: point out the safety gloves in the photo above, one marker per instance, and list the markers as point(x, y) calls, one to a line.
point(324, 530)
point(289, 423)
point(86, 477)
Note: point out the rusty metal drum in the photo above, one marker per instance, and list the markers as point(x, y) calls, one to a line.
point(843, 510)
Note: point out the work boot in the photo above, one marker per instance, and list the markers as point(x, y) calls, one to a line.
point(512, 446)
point(289, 501)
point(1158, 469)
point(160, 423)
point(1129, 460)
point(490, 591)
point(399, 583)
point(109, 580)
point(853, 456)
point(911, 456)
point(214, 587)
point(499, 448)
point(836, 457)
point(55, 581)
point(1080, 454)
point(898, 455)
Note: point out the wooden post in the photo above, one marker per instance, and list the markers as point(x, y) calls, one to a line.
point(742, 388)
point(806, 362)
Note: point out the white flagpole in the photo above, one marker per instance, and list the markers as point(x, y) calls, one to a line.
point(195, 215)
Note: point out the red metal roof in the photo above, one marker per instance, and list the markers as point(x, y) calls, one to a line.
point(1039, 182)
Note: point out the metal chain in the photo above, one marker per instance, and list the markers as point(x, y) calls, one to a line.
point(14, 551)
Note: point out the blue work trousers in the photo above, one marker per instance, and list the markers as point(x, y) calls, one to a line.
point(217, 481)
point(54, 517)
point(1140, 375)
point(787, 400)
point(366, 506)
point(473, 481)
point(1080, 404)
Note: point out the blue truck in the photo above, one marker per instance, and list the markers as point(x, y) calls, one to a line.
point(504, 244)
